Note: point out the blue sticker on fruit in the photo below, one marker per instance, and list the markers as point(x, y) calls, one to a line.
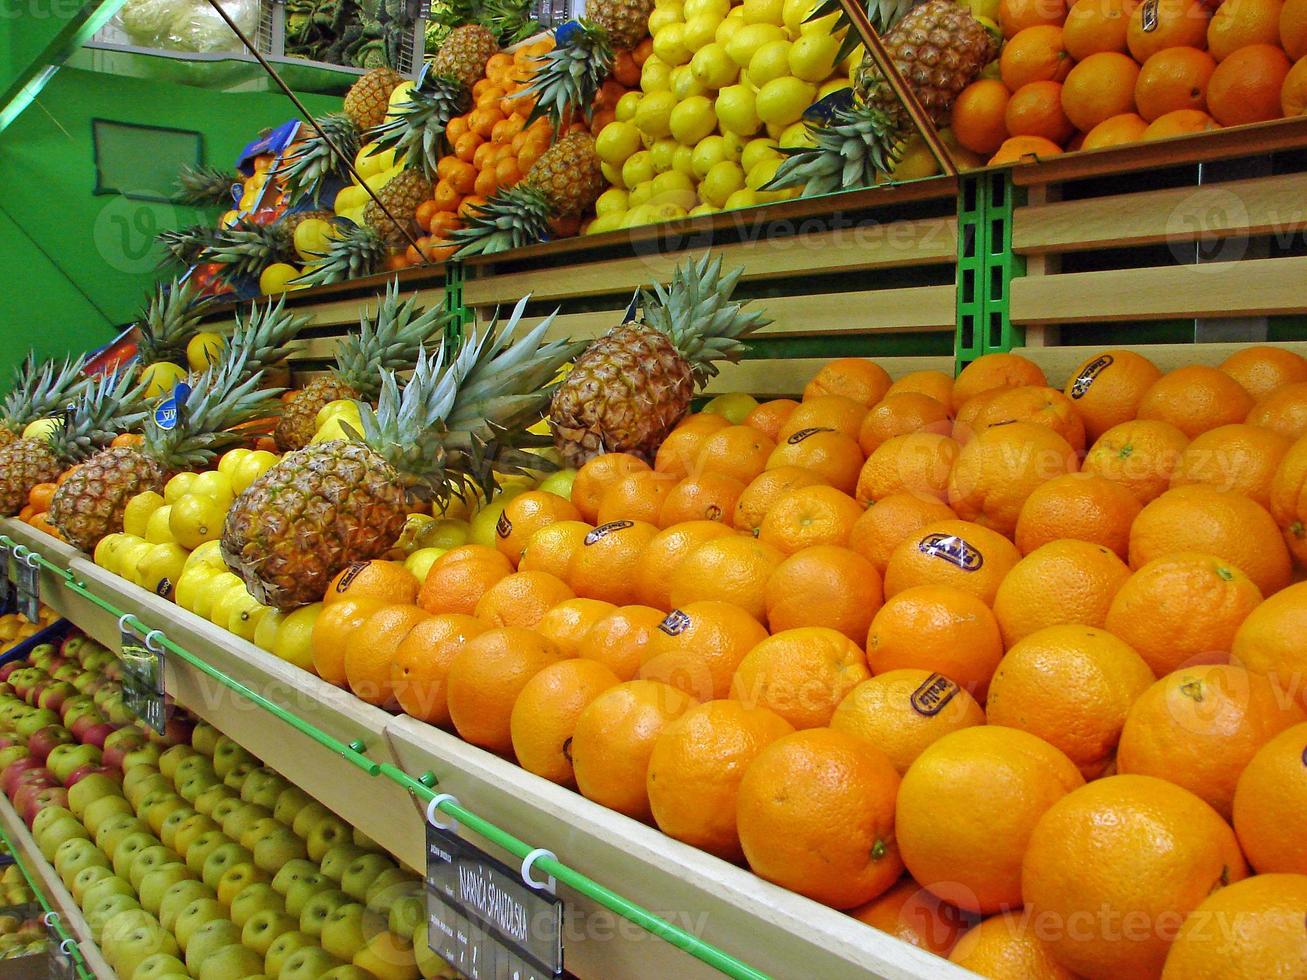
point(822, 110)
point(564, 33)
point(165, 413)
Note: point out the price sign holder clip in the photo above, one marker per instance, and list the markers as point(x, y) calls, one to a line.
point(29, 583)
point(60, 955)
point(7, 594)
point(143, 664)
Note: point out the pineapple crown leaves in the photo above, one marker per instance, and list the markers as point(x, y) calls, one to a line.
point(512, 218)
point(416, 129)
point(569, 76)
point(169, 323)
point(246, 249)
point(313, 161)
point(185, 246)
point(858, 142)
point(259, 341)
point(41, 390)
point(205, 186)
point(883, 14)
point(696, 313)
point(106, 406)
point(352, 254)
point(390, 342)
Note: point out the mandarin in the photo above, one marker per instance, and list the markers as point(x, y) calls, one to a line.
point(1061, 582)
point(824, 585)
point(1106, 389)
point(545, 713)
point(697, 648)
point(801, 674)
point(1079, 506)
point(421, 665)
point(485, 679)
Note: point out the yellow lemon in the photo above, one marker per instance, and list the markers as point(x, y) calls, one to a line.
point(611, 200)
point(129, 556)
point(682, 160)
point(196, 519)
point(136, 515)
point(662, 154)
point(617, 141)
point(743, 198)
point(700, 29)
point(850, 65)
point(638, 168)
point(229, 219)
point(226, 602)
point(795, 12)
point(265, 634)
point(158, 526)
point(641, 214)
point(699, 209)
point(605, 222)
point(712, 150)
point(684, 83)
point(783, 100)
point(179, 485)
point(160, 378)
point(334, 428)
point(420, 562)
point(445, 532)
point(988, 9)
point(341, 406)
point(613, 175)
point(824, 26)
point(244, 616)
point(203, 350)
point(669, 43)
point(727, 28)
point(692, 120)
point(761, 173)
point(832, 85)
point(276, 278)
point(655, 76)
point(758, 150)
point(653, 116)
point(367, 161)
point(207, 555)
point(772, 60)
point(742, 44)
point(717, 9)
point(312, 238)
point(672, 185)
point(106, 550)
point(349, 198)
point(736, 110)
point(216, 485)
point(734, 407)
point(713, 67)
point(294, 638)
point(211, 588)
point(638, 197)
point(193, 579)
point(812, 56)
point(482, 528)
point(160, 568)
point(251, 468)
point(668, 211)
point(624, 111)
point(723, 180)
point(764, 12)
point(916, 160)
point(663, 16)
point(230, 460)
point(797, 134)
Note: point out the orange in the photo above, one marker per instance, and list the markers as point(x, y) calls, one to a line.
point(370, 651)
point(933, 384)
point(1293, 94)
point(1173, 78)
point(638, 497)
point(521, 599)
point(40, 496)
point(1227, 525)
point(801, 674)
point(527, 513)
point(331, 632)
point(1289, 499)
point(764, 490)
point(1024, 149)
point(1247, 931)
point(1073, 686)
point(544, 715)
point(1245, 88)
point(1140, 456)
point(827, 586)
point(918, 463)
point(1128, 127)
point(960, 554)
point(389, 581)
point(903, 712)
point(1018, 15)
point(1238, 23)
point(551, 548)
point(614, 737)
point(696, 767)
point(1270, 641)
point(1007, 945)
point(1035, 54)
point(977, 116)
point(825, 412)
point(1096, 25)
point(809, 516)
point(732, 569)
point(1268, 804)
point(1043, 406)
point(1198, 727)
point(1081, 506)
point(1181, 122)
point(679, 450)
point(738, 451)
point(457, 579)
point(1242, 458)
point(852, 377)
point(997, 470)
point(964, 423)
point(899, 415)
point(620, 639)
point(485, 678)
point(833, 456)
point(913, 915)
point(664, 552)
point(697, 648)
point(1173, 23)
point(1035, 109)
point(1061, 582)
point(995, 371)
point(769, 416)
point(1293, 28)
point(885, 523)
point(1283, 410)
point(598, 475)
point(421, 665)
point(967, 807)
point(1124, 849)
point(709, 496)
point(1263, 369)
point(567, 623)
point(605, 565)
point(1101, 86)
point(816, 816)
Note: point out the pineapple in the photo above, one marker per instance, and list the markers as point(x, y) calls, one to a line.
point(852, 149)
point(246, 249)
point(568, 77)
point(457, 422)
point(355, 252)
point(464, 54)
point(186, 247)
point(401, 195)
point(37, 393)
point(633, 384)
point(415, 129)
point(564, 182)
point(626, 22)
point(390, 343)
point(310, 161)
point(368, 99)
point(206, 187)
point(168, 325)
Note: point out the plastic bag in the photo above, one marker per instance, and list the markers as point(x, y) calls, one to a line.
point(187, 25)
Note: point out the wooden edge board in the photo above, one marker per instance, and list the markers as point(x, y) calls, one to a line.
point(1059, 362)
point(779, 377)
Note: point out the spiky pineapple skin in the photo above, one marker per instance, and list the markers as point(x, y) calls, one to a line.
point(625, 394)
point(626, 21)
point(401, 195)
point(90, 503)
point(23, 464)
point(465, 52)
point(568, 174)
point(298, 421)
point(369, 98)
point(319, 509)
point(7, 436)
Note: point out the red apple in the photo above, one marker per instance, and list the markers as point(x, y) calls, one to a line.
point(176, 731)
point(29, 784)
point(56, 694)
point(33, 693)
point(12, 753)
point(93, 731)
point(9, 778)
point(81, 772)
point(40, 799)
point(9, 668)
point(44, 739)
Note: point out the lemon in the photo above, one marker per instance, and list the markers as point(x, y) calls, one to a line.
point(641, 214)
point(713, 67)
point(638, 168)
point(420, 562)
point(655, 76)
point(639, 196)
point(823, 26)
point(716, 9)
point(916, 160)
point(276, 278)
point(160, 568)
point(354, 215)
point(136, 515)
point(653, 116)
point(482, 528)
point(796, 134)
point(672, 182)
point(702, 209)
point(662, 154)
point(195, 519)
point(613, 175)
point(231, 459)
point(748, 39)
point(736, 110)
point(764, 12)
point(723, 180)
point(850, 65)
point(245, 615)
point(294, 638)
point(664, 16)
point(203, 350)
point(160, 378)
point(708, 151)
point(349, 198)
point(106, 550)
point(191, 581)
point(617, 141)
point(251, 468)
point(727, 28)
point(341, 406)
point(606, 222)
point(177, 486)
point(700, 30)
point(684, 84)
point(772, 60)
point(668, 211)
point(445, 532)
point(761, 173)
point(795, 12)
point(812, 56)
point(783, 100)
point(669, 43)
point(743, 198)
point(158, 525)
point(216, 485)
point(129, 556)
point(312, 237)
point(208, 555)
point(624, 111)
point(265, 634)
point(226, 602)
point(367, 161)
point(757, 150)
point(611, 200)
point(692, 120)
point(228, 219)
point(734, 407)
point(683, 157)
point(211, 589)
point(988, 9)
point(832, 85)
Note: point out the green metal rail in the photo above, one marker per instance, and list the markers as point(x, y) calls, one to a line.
point(52, 918)
point(423, 788)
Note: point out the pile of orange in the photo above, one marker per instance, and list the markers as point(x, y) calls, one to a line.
point(960, 656)
point(1100, 73)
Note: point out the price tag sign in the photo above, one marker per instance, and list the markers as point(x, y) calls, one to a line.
point(7, 595)
point(484, 920)
point(143, 680)
point(29, 590)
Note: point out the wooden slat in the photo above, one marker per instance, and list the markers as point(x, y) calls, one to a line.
point(1059, 362)
point(774, 378)
point(1264, 287)
point(1267, 205)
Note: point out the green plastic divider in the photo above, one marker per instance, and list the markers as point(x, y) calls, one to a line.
point(353, 753)
point(54, 919)
point(986, 266)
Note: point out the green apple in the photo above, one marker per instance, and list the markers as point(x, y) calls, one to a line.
point(231, 963)
point(152, 798)
point(63, 759)
point(291, 872)
point(216, 794)
point(196, 783)
point(253, 899)
point(348, 972)
point(141, 789)
point(236, 776)
point(178, 897)
point(330, 832)
point(383, 889)
point(430, 964)
point(282, 947)
point(145, 755)
point(316, 911)
point(93, 787)
point(308, 817)
point(227, 755)
point(360, 873)
point(191, 829)
point(289, 803)
point(46, 816)
point(114, 829)
point(113, 930)
point(220, 859)
point(364, 841)
point(8, 924)
point(158, 812)
point(278, 847)
point(406, 912)
point(243, 818)
point(262, 928)
point(342, 931)
point(34, 721)
point(261, 829)
point(112, 885)
point(207, 940)
point(263, 786)
point(74, 855)
point(158, 967)
point(172, 822)
point(304, 888)
point(235, 878)
point(151, 859)
point(140, 774)
point(336, 860)
point(126, 849)
point(171, 758)
point(195, 915)
point(58, 830)
point(204, 737)
point(101, 910)
point(307, 963)
point(155, 885)
point(87, 877)
point(201, 847)
point(127, 949)
point(388, 957)
point(223, 809)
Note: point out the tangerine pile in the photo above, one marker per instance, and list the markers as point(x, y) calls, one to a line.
point(1099, 73)
point(995, 666)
